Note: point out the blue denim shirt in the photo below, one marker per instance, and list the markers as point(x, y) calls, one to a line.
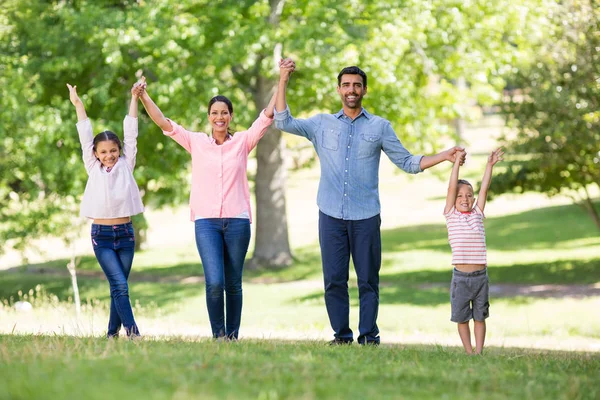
point(349, 151)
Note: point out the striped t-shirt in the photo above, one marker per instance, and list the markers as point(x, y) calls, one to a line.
point(466, 236)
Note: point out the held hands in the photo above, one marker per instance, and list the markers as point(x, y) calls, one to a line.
point(456, 154)
point(139, 88)
point(73, 95)
point(286, 67)
point(496, 156)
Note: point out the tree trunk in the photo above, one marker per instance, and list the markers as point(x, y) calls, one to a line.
point(140, 228)
point(72, 266)
point(461, 87)
point(272, 249)
point(588, 204)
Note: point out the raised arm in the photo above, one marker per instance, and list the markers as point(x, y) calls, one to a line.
point(286, 67)
point(84, 129)
point(453, 184)
point(151, 108)
point(259, 127)
point(446, 155)
point(283, 117)
point(137, 89)
point(130, 124)
point(79, 108)
point(494, 157)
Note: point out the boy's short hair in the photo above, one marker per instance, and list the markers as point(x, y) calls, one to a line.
point(464, 182)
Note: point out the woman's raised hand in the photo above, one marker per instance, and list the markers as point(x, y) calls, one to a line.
point(139, 87)
point(286, 67)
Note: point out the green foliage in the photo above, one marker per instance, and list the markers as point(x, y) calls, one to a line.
point(555, 108)
point(190, 50)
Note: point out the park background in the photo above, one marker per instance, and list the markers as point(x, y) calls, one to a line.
point(522, 74)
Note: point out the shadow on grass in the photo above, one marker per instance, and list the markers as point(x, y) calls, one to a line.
point(414, 287)
point(306, 265)
point(557, 272)
point(390, 295)
point(543, 228)
point(146, 293)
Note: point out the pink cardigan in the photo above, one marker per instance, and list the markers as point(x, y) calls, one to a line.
point(219, 182)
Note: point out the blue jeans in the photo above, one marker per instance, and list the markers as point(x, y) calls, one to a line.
point(222, 244)
point(362, 239)
point(114, 247)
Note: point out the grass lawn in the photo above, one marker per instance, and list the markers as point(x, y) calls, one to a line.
point(47, 367)
point(550, 246)
point(543, 337)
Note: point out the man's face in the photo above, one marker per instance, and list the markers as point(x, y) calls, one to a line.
point(351, 90)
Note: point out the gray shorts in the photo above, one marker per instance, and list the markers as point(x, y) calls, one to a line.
point(469, 296)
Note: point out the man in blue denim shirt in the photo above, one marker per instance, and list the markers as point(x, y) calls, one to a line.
point(349, 145)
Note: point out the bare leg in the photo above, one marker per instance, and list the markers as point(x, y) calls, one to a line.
point(479, 329)
point(465, 336)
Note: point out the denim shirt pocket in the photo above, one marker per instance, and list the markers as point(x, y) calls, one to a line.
point(368, 145)
point(330, 139)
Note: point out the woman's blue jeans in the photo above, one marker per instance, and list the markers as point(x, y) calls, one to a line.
point(114, 247)
point(222, 244)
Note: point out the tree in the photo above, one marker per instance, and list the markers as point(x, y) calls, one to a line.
point(556, 111)
point(191, 50)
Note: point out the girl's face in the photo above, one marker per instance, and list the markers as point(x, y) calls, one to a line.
point(219, 117)
point(464, 198)
point(107, 152)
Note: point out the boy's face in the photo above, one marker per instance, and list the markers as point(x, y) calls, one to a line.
point(464, 198)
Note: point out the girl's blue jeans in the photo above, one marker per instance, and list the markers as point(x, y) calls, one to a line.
point(222, 244)
point(114, 247)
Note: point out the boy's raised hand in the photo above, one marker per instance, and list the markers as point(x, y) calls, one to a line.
point(73, 95)
point(496, 156)
point(455, 154)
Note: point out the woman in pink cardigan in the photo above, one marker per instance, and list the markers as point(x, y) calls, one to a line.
point(219, 202)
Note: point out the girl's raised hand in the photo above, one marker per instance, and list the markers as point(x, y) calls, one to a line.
point(139, 87)
point(73, 95)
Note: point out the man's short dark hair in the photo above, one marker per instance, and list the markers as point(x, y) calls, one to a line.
point(352, 71)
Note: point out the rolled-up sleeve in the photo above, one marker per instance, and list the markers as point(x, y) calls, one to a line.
point(398, 154)
point(301, 127)
point(180, 135)
point(257, 130)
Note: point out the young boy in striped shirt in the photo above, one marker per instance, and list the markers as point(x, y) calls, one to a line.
point(469, 287)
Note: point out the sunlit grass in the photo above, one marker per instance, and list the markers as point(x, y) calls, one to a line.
point(91, 368)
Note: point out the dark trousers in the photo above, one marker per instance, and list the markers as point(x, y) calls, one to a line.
point(362, 239)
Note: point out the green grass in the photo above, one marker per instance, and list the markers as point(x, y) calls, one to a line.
point(89, 368)
point(554, 245)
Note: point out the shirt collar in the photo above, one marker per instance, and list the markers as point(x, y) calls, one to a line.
point(227, 138)
point(364, 112)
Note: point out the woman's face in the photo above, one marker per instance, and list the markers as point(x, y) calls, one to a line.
point(219, 117)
